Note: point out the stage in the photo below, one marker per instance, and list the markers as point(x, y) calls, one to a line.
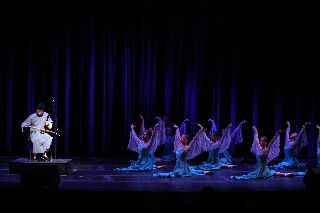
point(93, 183)
point(97, 174)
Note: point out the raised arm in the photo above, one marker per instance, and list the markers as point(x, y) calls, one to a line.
point(156, 138)
point(176, 138)
point(236, 136)
point(225, 140)
point(287, 133)
point(197, 145)
point(183, 127)
point(255, 144)
point(162, 134)
point(213, 126)
point(158, 119)
point(134, 140)
point(274, 139)
point(196, 136)
point(273, 148)
point(318, 139)
point(301, 140)
point(142, 127)
point(177, 135)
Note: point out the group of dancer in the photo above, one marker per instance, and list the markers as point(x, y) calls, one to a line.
point(180, 147)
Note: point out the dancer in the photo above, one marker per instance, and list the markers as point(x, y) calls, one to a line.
point(215, 147)
point(293, 144)
point(145, 147)
point(236, 138)
point(167, 154)
point(185, 152)
point(265, 153)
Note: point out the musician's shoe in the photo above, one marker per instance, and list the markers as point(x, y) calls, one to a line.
point(44, 158)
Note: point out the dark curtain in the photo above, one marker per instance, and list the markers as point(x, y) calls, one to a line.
point(105, 62)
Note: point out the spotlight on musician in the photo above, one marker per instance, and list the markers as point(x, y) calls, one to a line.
point(38, 122)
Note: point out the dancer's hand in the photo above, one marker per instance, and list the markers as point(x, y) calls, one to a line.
point(141, 116)
point(288, 123)
point(133, 126)
point(175, 126)
point(318, 127)
point(158, 118)
point(201, 127)
point(254, 128)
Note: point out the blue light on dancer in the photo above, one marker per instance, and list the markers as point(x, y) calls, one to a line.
point(145, 146)
point(293, 144)
point(215, 147)
point(236, 138)
point(167, 154)
point(185, 152)
point(264, 154)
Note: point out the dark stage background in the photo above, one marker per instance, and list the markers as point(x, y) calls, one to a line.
point(106, 62)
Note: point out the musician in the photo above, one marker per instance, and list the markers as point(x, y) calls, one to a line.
point(38, 123)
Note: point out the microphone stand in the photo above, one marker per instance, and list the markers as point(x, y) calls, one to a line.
point(56, 130)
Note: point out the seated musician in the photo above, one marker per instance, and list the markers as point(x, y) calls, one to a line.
point(38, 122)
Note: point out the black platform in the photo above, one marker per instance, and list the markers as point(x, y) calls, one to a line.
point(40, 174)
point(25, 165)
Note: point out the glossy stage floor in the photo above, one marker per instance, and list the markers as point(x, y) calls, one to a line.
point(93, 183)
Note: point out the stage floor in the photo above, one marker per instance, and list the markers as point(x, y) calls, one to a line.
point(97, 174)
point(94, 185)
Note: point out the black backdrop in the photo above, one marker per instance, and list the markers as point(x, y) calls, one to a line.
point(105, 62)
